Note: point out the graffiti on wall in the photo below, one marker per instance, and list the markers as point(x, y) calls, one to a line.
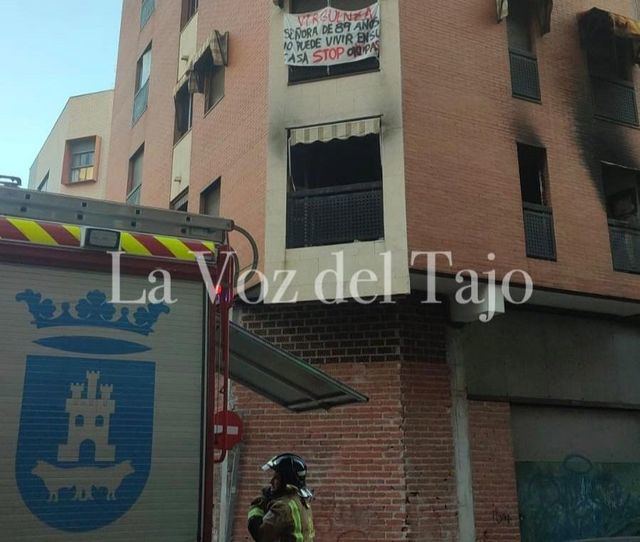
point(577, 498)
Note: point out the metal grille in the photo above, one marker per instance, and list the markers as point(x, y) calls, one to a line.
point(615, 100)
point(525, 82)
point(539, 233)
point(146, 10)
point(140, 102)
point(335, 215)
point(625, 247)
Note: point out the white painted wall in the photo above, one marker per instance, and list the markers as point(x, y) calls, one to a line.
point(181, 168)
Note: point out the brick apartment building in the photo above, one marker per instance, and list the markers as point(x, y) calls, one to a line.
point(505, 132)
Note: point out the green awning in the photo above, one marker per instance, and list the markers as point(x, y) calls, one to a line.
point(284, 378)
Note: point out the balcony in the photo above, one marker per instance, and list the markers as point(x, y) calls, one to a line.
point(539, 232)
point(328, 216)
point(625, 246)
point(146, 10)
point(140, 101)
point(614, 100)
point(525, 82)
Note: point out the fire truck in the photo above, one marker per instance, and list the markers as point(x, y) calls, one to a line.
point(117, 354)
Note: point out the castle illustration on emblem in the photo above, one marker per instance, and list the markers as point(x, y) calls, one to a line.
point(89, 419)
point(86, 425)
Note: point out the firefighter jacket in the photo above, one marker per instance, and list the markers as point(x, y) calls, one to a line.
point(287, 518)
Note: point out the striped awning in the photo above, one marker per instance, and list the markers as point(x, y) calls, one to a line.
point(53, 234)
point(340, 130)
point(217, 44)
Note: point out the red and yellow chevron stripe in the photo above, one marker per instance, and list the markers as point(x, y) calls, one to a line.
point(135, 244)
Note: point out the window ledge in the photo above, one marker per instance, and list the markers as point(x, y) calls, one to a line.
point(614, 121)
point(330, 77)
point(527, 99)
point(74, 183)
point(335, 246)
point(540, 258)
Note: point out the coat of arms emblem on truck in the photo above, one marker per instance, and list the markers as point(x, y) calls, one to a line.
point(86, 424)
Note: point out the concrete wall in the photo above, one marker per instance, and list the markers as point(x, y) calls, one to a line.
point(461, 127)
point(537, 356)
point(87, 115)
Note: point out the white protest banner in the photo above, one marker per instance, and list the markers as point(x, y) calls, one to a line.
point(331, 36)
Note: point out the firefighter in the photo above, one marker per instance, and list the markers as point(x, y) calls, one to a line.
point(282, 513)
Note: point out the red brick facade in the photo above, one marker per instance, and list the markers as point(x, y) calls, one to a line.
point(461, 128)
point(493, 470)
point(381, 471)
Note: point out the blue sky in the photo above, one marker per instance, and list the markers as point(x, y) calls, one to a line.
point(49, 50)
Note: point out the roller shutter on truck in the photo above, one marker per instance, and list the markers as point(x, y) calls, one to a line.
point(107, 407)
point(101, 427)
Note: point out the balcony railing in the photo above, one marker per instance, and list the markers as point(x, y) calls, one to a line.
point(625, 246)
point(525, 81)
point(140, 101)
point(329, 216)
point(146, 10)
point(539, 232)
point(614, 100)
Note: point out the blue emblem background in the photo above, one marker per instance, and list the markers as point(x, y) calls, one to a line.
point(44, 424)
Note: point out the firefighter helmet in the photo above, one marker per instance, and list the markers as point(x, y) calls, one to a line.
point(292, 469)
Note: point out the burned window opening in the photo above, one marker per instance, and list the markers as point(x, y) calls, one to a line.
point(538, 218)
point(336, 163)
point(622, 192)
point(621, 187)
point(532, 165)
point(611, 45)
point(335, 192)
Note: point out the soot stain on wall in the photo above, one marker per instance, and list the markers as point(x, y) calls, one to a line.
point(599, 140)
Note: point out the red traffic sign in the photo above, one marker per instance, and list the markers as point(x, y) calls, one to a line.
point(233, 424)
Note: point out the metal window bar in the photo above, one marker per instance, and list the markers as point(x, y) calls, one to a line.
point(146, 10)
point(625, 246)
point(334, 215)
point(525, 81)
point(140, 101)
point(614, 100)
point(539, 232)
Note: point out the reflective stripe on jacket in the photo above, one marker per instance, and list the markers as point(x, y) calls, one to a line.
point(290, 518)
